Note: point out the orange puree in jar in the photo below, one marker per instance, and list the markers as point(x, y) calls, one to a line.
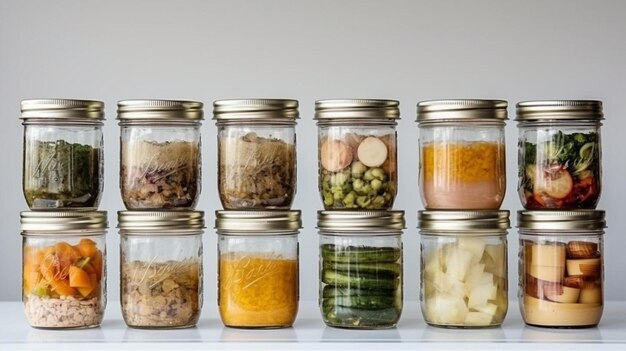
point(463, 175)
point(257, 291)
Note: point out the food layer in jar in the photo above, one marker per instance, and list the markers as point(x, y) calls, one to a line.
point(160, 175)
point(258, 290)
point(60, 174)
point(561, 173)
point(358, 171)
point(464, 284)
point(463, 176)
point(256, 172)
point(62, 285)
point(561, 281)
point(161, 294)
point(362, 286)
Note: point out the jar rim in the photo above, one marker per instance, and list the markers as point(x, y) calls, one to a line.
point(365, 111)
point(454, 221)
point(156, 222)
point(58, 222)
point(559, 111)
point(156, 111)
point(561, 220)
point(370, 222)
point(462, 110)
point(275, 222)
point(256, 111)
point(62, 111)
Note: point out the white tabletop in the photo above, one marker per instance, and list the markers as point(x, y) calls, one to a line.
point(309, 332)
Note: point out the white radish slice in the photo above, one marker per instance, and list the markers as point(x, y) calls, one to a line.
point(335, 155)
point(372, 152)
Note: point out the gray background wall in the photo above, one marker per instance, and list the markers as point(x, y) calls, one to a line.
point(407, 50)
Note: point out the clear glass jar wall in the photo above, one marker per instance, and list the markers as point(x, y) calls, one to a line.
point(64, 268)
point(462, 154)
point(160, 165)
point(357, 153)
point(361, 272)
point(258, 270)
point(464, 278)
point(63, 153)
point(560, 153)
point(161, 268)
point(561, 268)
point(256, 153)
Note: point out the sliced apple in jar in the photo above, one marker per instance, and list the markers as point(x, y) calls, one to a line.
point(556, 183)
point(372, 152)
point(335, 155)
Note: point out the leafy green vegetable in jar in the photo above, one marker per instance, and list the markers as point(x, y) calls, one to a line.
point(362, 286)
point(256, 172)
point(560, 173)
point(59, 174)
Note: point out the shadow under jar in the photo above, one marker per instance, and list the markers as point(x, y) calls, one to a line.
point(357, 153)
point(161, 268)
point(256, 153)
point(63, 153)
point(462, 154)
point(561, 267)
point(64, 268)
point(464, 268)
point(560, 154)
point(160, 164)
point(360, 267)
point(258, 272)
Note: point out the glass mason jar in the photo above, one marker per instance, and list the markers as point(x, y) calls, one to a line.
point(63, 153)
point(357, 153)
point(462, 154)
point(256, 153)
point(560, 153)
point(464, 268)
point(161, 268)
point(258, 274)
point(160, 165)
point(64, 268)
point(360, 268)
point(561, 267)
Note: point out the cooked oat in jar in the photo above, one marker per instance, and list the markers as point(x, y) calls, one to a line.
point(161, 268)
point(160, 154)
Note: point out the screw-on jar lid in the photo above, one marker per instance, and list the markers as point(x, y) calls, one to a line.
point(360, 222)
point(258, 222)
point(559, 110)
point(62, 222)
point(562, 220)
point(363, 111)
point(462, 110)
point(60, 111)
point(137, 112)
point(160, 222)
point(263, 111)
point(476, 222)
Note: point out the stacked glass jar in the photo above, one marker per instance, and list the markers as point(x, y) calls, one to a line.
point(161, 232)
point(258, 270)
point(463, 231)
point(360, 262)
point(561, 232)
point(63, 250)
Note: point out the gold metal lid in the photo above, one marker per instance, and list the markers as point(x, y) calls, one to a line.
point(62, 222)
point(559, 110)
point(565, 221)
point(363, 111)
point(361, 222)
point(462, 110)
point(266, 111)
point(453, 222)
point(136, 112)
point(59, 111)
point(159, 222)
point(258, 222)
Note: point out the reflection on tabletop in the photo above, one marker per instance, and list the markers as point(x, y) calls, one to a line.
point(63, 335)
point(258, 335)
point(538, 334)
point(349, 335)
point(434, 334)
point(167, 335)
